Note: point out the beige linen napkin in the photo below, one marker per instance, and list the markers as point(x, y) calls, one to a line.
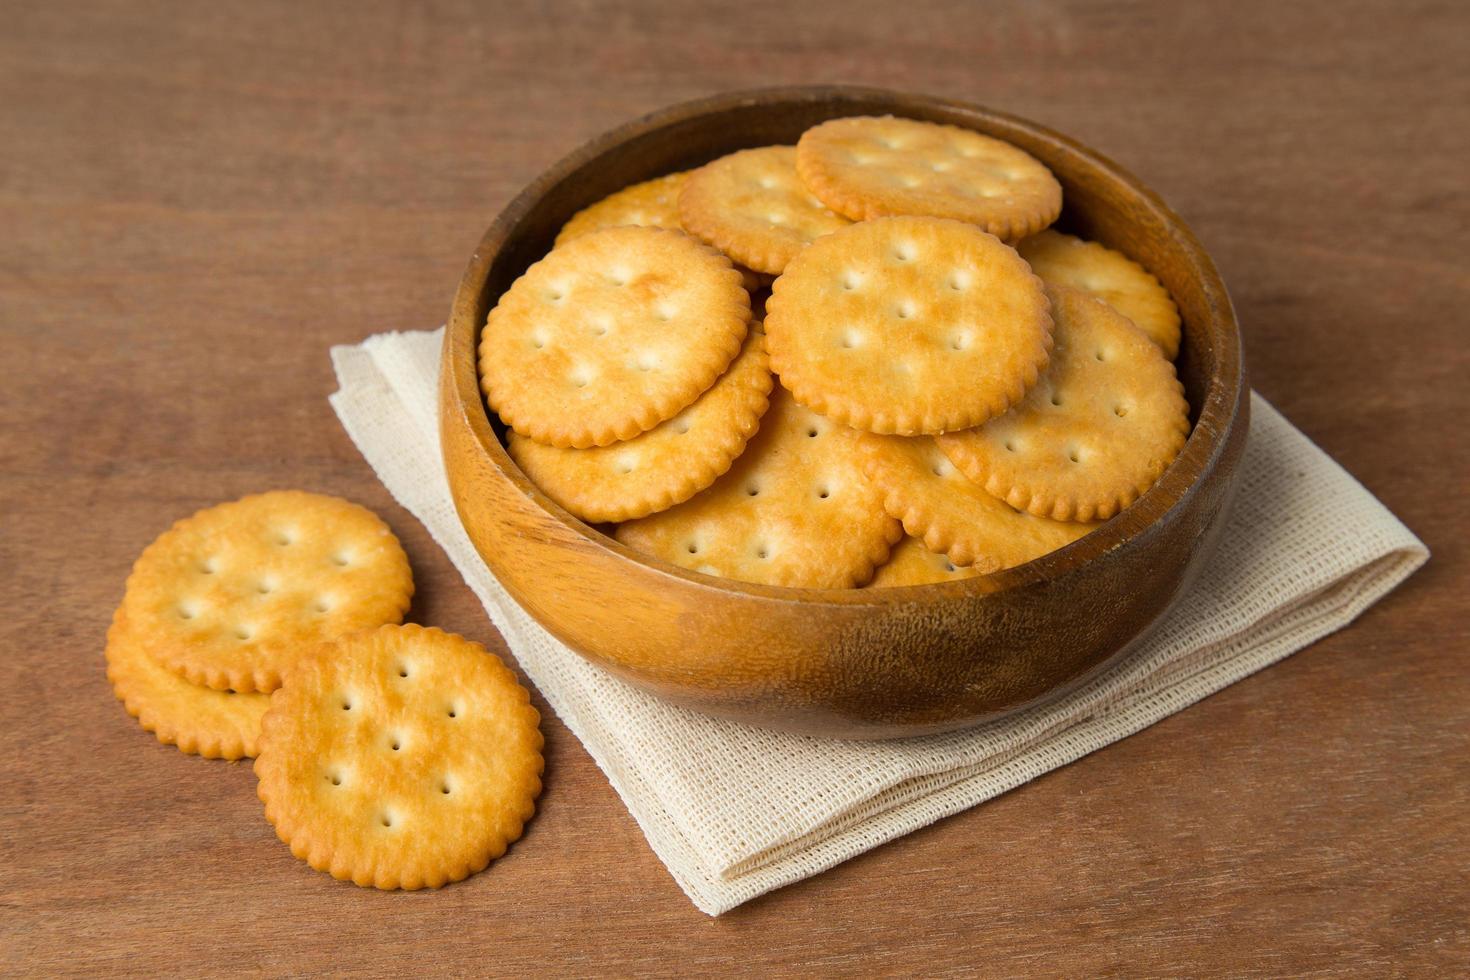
point(735, 811)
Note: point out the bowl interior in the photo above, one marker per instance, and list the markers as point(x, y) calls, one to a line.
point(1102, 202)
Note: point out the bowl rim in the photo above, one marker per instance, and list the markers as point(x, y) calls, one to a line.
point(1207, 442)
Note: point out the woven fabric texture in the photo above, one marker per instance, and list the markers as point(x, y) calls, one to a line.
point(735, 811)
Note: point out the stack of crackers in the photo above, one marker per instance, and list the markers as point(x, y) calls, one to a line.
point(390, 755)
point(865, 360)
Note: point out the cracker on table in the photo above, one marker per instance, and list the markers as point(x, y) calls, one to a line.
point(230, 597)
point(794, 510)
point(651, 204)
point(913, 564)
point(1095, 433)
point(871, 166)
point(908, 325)
point(664, 466)
point(198, 720)
point(1126, 286)
point(611, 334)
point(401, 757)
point(952, 515)
point(752, 206)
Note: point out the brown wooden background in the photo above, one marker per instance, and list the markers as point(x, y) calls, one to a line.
point(196, 200)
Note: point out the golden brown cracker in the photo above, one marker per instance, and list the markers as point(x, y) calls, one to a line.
point(1095, 433)
point(872, 166)
point(230, 597)
point(908, 325)
point(664, 466)
point(611, 334)
point(199, 720)
point(752, 206)
point(1126, 286)
point(401, 757)
point(913, 564)
point(950, 514)
point(650, 204)
point(794, 510)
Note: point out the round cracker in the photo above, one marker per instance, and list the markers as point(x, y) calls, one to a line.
point(610, 335)
point(664, 466)
point(1114, 278)
point(752, 206)
point(401, 757)
point(950, 514)
point(913, 564)
point(230, 597)
point(650, 204)
point(198, 720)
point(794, 510)
point(871, 166)
point(908, 325)
point(1095, 433)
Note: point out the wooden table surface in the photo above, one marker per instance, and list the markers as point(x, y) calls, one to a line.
point(196, 200)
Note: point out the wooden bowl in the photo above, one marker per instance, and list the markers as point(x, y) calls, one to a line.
point(859, 662)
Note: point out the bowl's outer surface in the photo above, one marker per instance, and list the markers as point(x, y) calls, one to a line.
point(850, 663)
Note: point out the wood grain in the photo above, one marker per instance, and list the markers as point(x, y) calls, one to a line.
point(197, 200)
